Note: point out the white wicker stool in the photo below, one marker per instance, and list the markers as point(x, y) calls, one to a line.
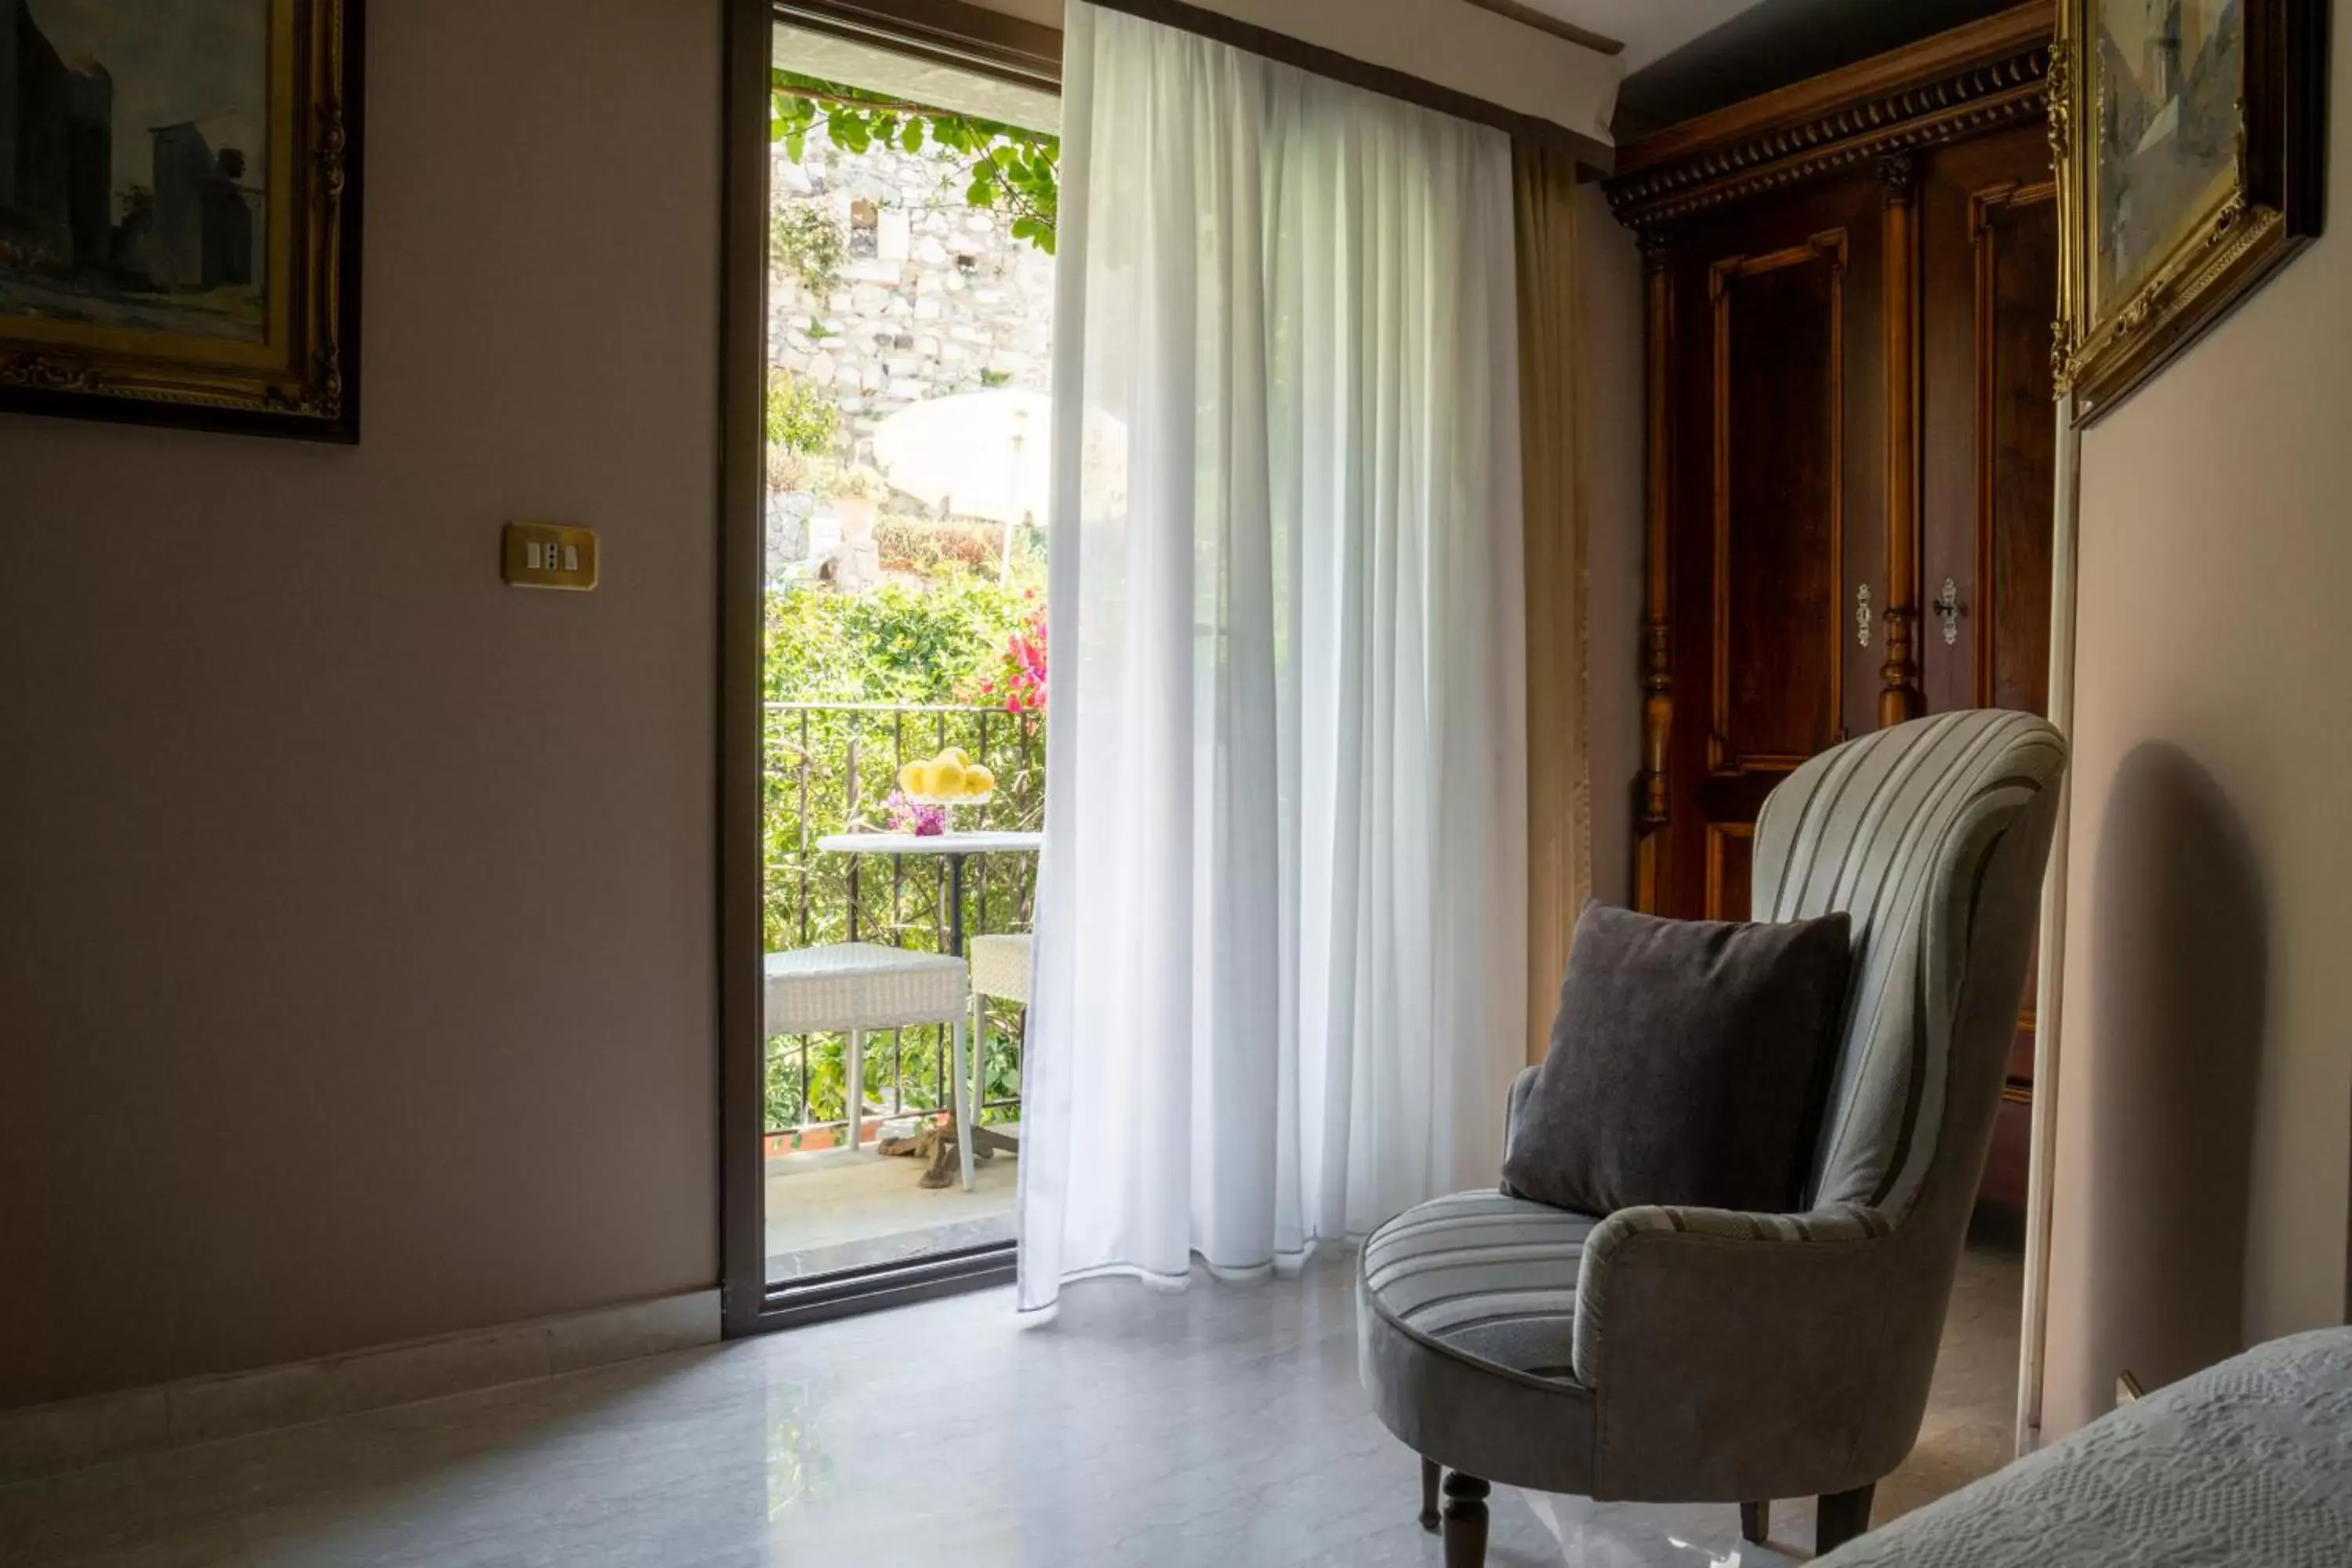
point(1000, 967)
point(853, 986)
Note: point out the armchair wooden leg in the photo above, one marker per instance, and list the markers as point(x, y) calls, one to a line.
point(1756, 1522)
point(1839, 1517)
point(1465, 1521)
point(1432, 1472)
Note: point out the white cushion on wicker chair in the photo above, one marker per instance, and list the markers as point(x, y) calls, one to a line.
point(861, 985)
point(999, 966)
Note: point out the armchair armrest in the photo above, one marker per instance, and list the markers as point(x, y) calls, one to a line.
point(1767, 1342)
point(1645, 1249)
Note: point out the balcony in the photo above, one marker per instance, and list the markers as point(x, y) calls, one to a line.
point(829, 768)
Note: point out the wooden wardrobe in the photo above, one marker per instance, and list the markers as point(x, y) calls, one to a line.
point(1850, 286)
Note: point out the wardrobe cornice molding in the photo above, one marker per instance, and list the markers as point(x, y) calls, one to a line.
point(1957, 84)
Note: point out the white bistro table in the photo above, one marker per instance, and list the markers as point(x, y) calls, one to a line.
point(956, 847)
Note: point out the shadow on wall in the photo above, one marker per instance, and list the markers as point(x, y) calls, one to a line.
point(2180, 966)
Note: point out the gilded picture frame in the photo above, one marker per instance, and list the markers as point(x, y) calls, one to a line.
point(179, 213)
point(2189, 140)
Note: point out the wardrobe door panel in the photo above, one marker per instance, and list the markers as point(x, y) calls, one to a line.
point(1729, 862)
point(2017, 249)
point(1778, 492)
point(1772, 449)
point(1991, 259)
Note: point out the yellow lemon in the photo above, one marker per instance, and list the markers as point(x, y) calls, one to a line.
point(947, 778)
point(978, 781)
point(910, 777)
point(957, 756)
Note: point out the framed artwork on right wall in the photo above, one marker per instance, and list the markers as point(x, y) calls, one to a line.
point(2190, 138)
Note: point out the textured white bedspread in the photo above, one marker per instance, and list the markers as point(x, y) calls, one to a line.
point(2248, 1463)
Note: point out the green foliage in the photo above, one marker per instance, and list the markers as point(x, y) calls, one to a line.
point(857, 684)
point(801, 417)
point(898, 644)
point(850, 483)
point(918, 656)
point(902, 1076)
point(1001, 167)
point(809, 244)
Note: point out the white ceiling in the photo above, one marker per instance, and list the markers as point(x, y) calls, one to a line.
point(1647, 29)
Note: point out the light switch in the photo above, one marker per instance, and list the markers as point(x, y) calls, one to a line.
point(548, 555)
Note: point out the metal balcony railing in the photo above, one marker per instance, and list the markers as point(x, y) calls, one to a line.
point(830, 767)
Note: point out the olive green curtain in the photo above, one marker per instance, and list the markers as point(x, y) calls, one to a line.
point(1551, 394)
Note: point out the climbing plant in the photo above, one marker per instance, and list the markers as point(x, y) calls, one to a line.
point(808, 244)
point(801, 417)
point(1005, 168)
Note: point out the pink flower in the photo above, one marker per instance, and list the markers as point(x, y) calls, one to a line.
point(906, 817)
point(1026, 664)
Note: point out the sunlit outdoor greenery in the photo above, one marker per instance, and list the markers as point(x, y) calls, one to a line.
point(1001, 166)
point(945, 647)
point(858, 683)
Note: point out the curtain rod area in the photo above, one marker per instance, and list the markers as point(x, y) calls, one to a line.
point(957, 32)
point(950, 32)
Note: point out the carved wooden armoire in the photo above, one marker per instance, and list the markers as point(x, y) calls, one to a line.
point(1850, 286)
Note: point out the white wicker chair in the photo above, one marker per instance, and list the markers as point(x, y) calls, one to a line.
point(855, 986)
point(1000, 967)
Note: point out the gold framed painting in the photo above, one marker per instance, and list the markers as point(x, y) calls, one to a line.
point(2188, 136)
point(179, 212)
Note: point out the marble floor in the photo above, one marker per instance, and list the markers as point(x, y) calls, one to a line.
point(840, 1210)
point(1221, 1425)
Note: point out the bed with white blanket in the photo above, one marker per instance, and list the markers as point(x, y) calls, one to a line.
point(2248, 1463)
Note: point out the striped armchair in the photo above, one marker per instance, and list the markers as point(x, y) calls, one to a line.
point(1693, 1355)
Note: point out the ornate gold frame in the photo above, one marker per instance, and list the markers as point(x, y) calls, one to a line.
point(2270, 209)
point(302, 378)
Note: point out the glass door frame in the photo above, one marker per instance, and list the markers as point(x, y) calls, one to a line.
point(949, 32)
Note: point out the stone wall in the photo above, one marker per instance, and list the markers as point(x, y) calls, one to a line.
point(935, 296)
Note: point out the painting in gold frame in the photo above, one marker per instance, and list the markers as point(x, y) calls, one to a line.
point(179, 212)
point(2188, 136)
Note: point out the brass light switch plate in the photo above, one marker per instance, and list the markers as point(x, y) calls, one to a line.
point(548, 555)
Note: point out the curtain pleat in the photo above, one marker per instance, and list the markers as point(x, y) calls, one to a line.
point(1551, 359)
point(1281, 953)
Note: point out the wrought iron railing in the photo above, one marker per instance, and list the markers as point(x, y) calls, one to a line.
point(830, 767)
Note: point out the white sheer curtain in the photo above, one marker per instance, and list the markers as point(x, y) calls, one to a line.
point(1282, 907)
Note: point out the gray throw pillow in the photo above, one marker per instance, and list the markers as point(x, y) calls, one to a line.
point(1689, 1064)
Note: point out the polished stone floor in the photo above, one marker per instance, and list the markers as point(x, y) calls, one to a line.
point(1219, 1425)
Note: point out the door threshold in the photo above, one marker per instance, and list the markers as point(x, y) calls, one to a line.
point(872, 1289)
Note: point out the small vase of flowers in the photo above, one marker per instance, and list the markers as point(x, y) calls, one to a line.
point(905, 816)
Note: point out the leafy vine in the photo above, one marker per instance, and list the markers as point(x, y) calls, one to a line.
point(1003, 167)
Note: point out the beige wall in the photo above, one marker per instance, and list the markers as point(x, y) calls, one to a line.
point(2205, 1110)
point(1613, 486)
point(357, 971)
